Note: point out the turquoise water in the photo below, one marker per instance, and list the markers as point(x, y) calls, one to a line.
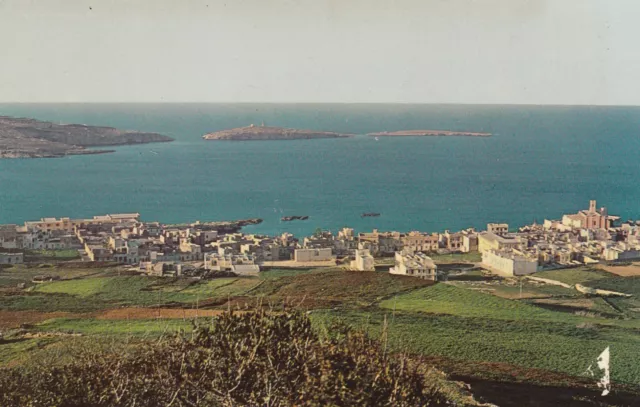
point(541, 162)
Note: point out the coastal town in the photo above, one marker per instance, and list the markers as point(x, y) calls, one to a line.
point(211, 249)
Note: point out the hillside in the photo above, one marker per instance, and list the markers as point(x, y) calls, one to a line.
point(516, 344)
point(270, 133)
point(30, 138)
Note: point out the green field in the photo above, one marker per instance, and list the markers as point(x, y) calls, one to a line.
point(147, 291)
point(555, 346)
point(452, 300)
point(580, 275)
point(12, 276)
point(140, 327)
point(459, 323)
point(473, 257)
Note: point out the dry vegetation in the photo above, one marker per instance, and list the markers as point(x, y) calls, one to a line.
point(251, 359)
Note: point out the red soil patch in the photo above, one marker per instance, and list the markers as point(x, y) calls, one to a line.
point(13, 319)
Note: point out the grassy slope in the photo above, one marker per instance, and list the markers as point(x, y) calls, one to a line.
point(448, 299)
point(533, 344)
point(11, 277)
point(630, 307)
point(120, 328)
point(91, 294)
point(574, 276)
point(459, 323)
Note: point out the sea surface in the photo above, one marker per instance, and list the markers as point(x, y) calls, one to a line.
point(540, 163)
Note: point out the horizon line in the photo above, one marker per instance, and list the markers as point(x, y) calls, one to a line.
point(315, 103)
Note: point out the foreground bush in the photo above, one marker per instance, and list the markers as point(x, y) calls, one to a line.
point(250, 359)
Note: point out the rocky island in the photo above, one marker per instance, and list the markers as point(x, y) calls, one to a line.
point(270, 133)
point(408, 133)
point(30, 138)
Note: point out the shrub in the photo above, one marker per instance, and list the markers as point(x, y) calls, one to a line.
point(247, 359)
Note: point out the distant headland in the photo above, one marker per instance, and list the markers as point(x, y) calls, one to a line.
point(270, 133)
point(427, 133)
point(30, 138)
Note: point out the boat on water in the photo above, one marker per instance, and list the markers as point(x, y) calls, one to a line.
point(370, 214)
point(290, 218)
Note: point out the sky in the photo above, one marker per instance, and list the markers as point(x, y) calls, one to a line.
point(316, 51)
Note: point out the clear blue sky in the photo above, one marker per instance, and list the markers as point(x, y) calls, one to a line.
point(417, 51)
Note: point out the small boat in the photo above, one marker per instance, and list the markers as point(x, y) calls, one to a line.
point(370, 215)
point(290, 218)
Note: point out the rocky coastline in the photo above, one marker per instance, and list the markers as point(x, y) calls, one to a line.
point(30, 138)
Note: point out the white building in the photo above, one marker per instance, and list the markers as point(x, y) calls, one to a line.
point(242, 265)
point(305, 255)
point(363, 261)
point(415, 264)
point(509, 263)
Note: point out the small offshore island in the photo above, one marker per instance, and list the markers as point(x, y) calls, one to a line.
point(30, 138)
point(427, 133)
point(270, 133)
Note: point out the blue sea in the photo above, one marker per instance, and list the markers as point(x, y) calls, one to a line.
point(540, 163)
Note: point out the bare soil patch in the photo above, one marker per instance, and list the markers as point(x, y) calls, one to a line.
point(623, 271)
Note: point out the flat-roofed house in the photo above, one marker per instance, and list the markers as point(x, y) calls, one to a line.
point(241, 264)
point(420, 242)
point(380, 243)
point(363, 261)
point(499, 229)
point(454, 241)
point(509, 263)
point(415, 264)
point(305, 255)
point(491, 241)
